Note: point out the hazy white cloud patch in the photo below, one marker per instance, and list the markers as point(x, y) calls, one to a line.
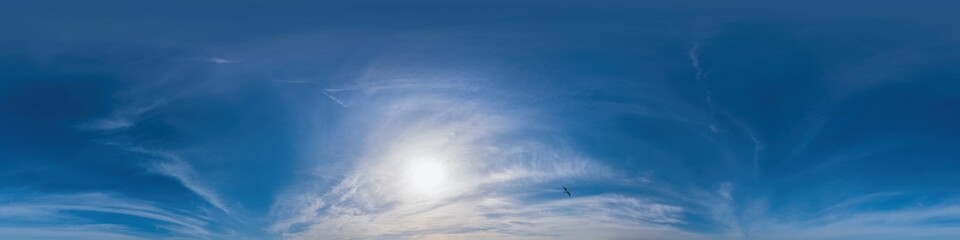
point(441, 166)
point(604, 216)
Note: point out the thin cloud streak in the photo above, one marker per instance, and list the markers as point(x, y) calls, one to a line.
point(124, 118)
point(338, 101)
point(219, 60)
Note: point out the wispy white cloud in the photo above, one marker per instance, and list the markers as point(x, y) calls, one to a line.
point(853, 218)
point(294, 81)
point(883, 69)
point(701, 77)
point(336, 100)
point(694, 54)
point(184, 173)
point(219, 60)
point(122, 118)
point(173, 166)
point(78, 231)
point(51, 217)
point(934, 222)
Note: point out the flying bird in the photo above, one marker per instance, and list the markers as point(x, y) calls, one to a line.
point(566, 191)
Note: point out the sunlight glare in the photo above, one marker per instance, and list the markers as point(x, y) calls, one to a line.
point(427, 177)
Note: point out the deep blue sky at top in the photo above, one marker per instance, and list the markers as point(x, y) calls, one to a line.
point(432, 119)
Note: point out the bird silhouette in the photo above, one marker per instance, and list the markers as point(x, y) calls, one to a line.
point(566, 191)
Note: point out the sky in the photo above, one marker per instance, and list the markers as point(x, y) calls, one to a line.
point(419, 119)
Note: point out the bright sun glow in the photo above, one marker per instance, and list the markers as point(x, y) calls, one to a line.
point(426, 177)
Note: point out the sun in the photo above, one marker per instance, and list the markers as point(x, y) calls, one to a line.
point(427, 177)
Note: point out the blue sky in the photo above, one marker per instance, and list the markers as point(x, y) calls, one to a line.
point(435, 120)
